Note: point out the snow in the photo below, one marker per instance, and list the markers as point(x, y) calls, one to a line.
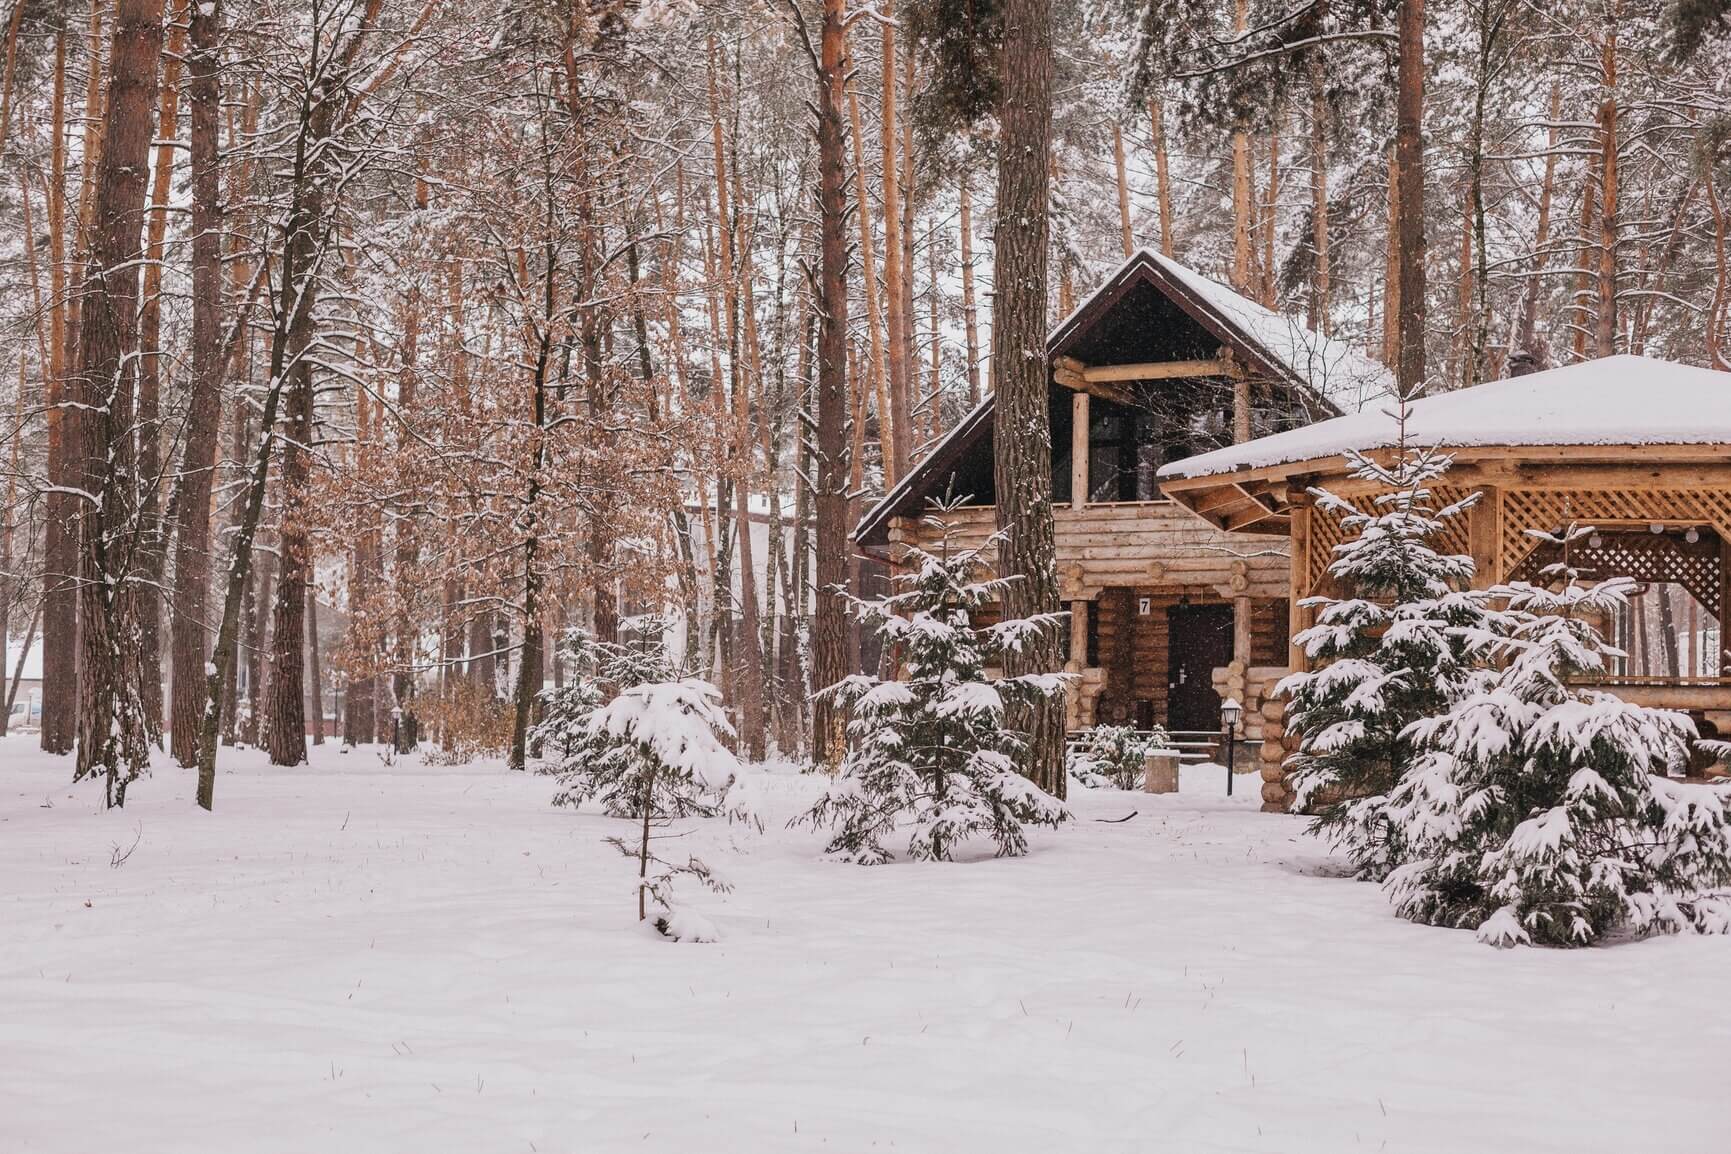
point(367, 957)
point(1621, 400)
point(32, 660)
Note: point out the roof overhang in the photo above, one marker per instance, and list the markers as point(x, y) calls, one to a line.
point(1260, 500)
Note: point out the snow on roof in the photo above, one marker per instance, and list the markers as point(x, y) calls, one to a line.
point(1333, 369)
point(1621, 400)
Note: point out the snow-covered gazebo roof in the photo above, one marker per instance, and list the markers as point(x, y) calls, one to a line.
point(1633, 423)
point(1622, 400)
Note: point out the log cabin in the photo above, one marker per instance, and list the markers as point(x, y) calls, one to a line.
point(1169, 612)
point(1637, 449)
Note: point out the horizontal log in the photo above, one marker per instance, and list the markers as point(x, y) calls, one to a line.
point(1159, 370)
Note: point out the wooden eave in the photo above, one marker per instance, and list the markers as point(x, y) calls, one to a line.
point(1232, 500)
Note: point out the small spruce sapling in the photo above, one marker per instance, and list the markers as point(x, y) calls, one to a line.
point(1538, 811)
point(1113, 756)
point(929, 753)
point(648, 745)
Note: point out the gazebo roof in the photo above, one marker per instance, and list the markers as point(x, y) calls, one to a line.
point(1614, 401)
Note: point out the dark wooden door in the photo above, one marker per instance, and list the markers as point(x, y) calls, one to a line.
point(1199, 641)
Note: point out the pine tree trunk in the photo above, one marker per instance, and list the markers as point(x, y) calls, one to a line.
point(970, 313)
point(191, 593)
point(1605, 333)
point(284, 720)
point(1527, 342)
point(901, 440)
point(1023, 440)
point(1162, 175)
point(829, 629)
point(111, 733)
point(60, 549)
point(1583, 278)
point(1409, 155)
point(1242, 243)
point(153, 543)
point(1318, 318)
point(315, 673)
point(1123, 188)
point(869, 290)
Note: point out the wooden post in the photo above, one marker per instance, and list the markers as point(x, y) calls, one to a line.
point(1078, 636)
point(1302, 615)
point(1724, 604)
point(1485, 537)
point(1241, 625)
point(1079, 451)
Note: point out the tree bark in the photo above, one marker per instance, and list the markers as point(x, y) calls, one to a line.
point(60, 552)
point(111, 734)
point(1409, 155)
point(153, 541)
point(1318, 319)
point(1123, 188)
point(1605, 332)
point(1023, 439)
point(970, 312)
point(829, 628)
point(188, 626)
point(901, 439)
point(1162, 174)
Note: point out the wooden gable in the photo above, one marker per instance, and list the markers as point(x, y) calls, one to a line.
point(1148, 346)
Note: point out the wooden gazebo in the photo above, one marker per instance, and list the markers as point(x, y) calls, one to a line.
point(1637, 448)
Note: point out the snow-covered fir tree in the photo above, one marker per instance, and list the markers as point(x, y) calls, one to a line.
point(930, 756)
point(1387, 653)
point(649, 745)
point(1538, 811)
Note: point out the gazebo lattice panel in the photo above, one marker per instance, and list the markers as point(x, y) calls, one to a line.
point(1326, 531)
point(1553, 509)
point(1643, 556)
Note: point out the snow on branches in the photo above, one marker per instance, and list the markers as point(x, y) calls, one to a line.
point(1539, 811)
point(930, 756)
point(648, 744)
point(1112, 756)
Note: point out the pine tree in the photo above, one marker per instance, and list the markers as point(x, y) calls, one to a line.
point(931, 750)
point(1538, 812)
point(1392, 652)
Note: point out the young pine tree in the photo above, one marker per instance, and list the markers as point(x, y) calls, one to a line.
point(648, 745)
point(1538, 812)
point(1390, 652)
point(930, 754)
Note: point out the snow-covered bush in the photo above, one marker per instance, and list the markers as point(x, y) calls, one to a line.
point(648, 745)
point(1537, 811)
point(1388, 652)
point(929, 754)
point(1112, 756)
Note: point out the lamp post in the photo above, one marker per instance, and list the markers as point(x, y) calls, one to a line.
point(1230, 711)
point(396, 726)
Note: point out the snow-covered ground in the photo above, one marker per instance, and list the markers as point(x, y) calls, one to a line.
point(357, 957)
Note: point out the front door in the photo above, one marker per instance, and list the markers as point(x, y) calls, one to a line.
point(1199, 641)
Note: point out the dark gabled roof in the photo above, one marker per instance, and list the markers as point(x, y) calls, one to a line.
point(1330, 376)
